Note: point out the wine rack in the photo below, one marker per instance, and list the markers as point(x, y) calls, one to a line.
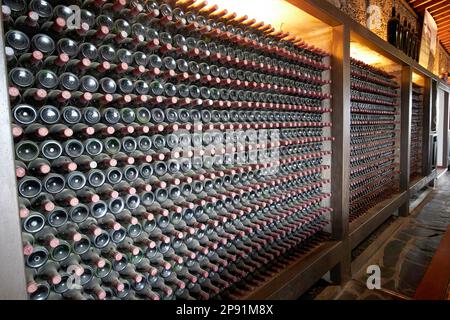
point(165, 149)
point(374, 166)
point(416, 132)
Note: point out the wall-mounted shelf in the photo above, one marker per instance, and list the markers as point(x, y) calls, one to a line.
point(299, 275)
point(361, 228)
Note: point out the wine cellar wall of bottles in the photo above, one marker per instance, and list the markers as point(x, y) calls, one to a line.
point(103, 116)
point(416, 131)
point(374, 157)
point(173, 149)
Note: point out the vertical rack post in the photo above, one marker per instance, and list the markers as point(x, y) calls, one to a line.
point(433, 130)
point(426, 149)
point(446, 123)
point(340, 172)
point(12, 272)
point(405, 134)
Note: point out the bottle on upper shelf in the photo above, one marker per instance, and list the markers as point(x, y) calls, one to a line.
point(393, 29)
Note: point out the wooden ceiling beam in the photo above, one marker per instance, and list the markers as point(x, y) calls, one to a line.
point(444, 39)
point(429, 4)
point(444, 30)
point(439, 10)
point(445, 36)
point(443, 24)
point(421, 3)
point(442, 19)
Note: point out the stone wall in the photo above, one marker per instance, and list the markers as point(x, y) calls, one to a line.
point(444, 60)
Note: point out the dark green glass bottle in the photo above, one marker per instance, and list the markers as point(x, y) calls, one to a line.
point(399, 34)
point(405, 36)
point(392, 28)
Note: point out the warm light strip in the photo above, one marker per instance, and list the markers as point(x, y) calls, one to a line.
point(368, 56)
point(282, 16)
point(417, 79)
point(268, 11)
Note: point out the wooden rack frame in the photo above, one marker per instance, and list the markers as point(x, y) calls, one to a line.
point(333, 256)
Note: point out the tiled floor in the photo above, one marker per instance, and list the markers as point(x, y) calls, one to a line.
point(404, 258)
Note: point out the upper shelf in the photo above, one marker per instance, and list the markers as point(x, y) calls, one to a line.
point(418, 79)
point(363, 53)
point(328, 13)
point(312, 21)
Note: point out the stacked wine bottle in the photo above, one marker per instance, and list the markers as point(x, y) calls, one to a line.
point(121, 197)
point(416, 132)
point(374, 132)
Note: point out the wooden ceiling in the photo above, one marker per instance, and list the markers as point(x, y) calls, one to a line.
point(440, 10)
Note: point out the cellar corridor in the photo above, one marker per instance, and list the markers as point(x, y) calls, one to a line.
point(406, 254)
